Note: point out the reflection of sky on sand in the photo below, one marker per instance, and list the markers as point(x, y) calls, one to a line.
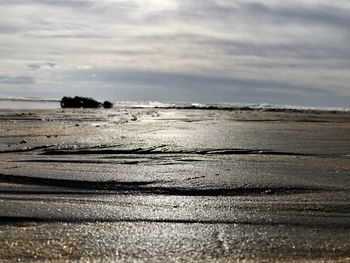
point(161, 242)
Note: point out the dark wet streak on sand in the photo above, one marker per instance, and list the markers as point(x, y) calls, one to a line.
point(147, 188)
point(156, 150)
point(50, 151)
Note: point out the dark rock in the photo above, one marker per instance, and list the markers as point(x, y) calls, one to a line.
point(79, 102)
point(107, 104)
point(23, 142)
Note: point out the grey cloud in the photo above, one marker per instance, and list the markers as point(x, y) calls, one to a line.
point(169, 80)
point(50, 64)
point(67, 3)
point(8, 79)
point(207, 8)
point(258, 12)
point(8, 29)
point(36, 66)
point(317, 14)
point(300, 49)
point(50, 35)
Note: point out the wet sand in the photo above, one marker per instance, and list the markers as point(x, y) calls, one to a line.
point(174, 184)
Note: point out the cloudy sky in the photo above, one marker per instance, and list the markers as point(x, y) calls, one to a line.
point(294, 52)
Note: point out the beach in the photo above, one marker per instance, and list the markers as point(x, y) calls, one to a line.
point(174, 184)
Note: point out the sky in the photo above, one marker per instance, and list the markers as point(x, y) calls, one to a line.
point(294, 52)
